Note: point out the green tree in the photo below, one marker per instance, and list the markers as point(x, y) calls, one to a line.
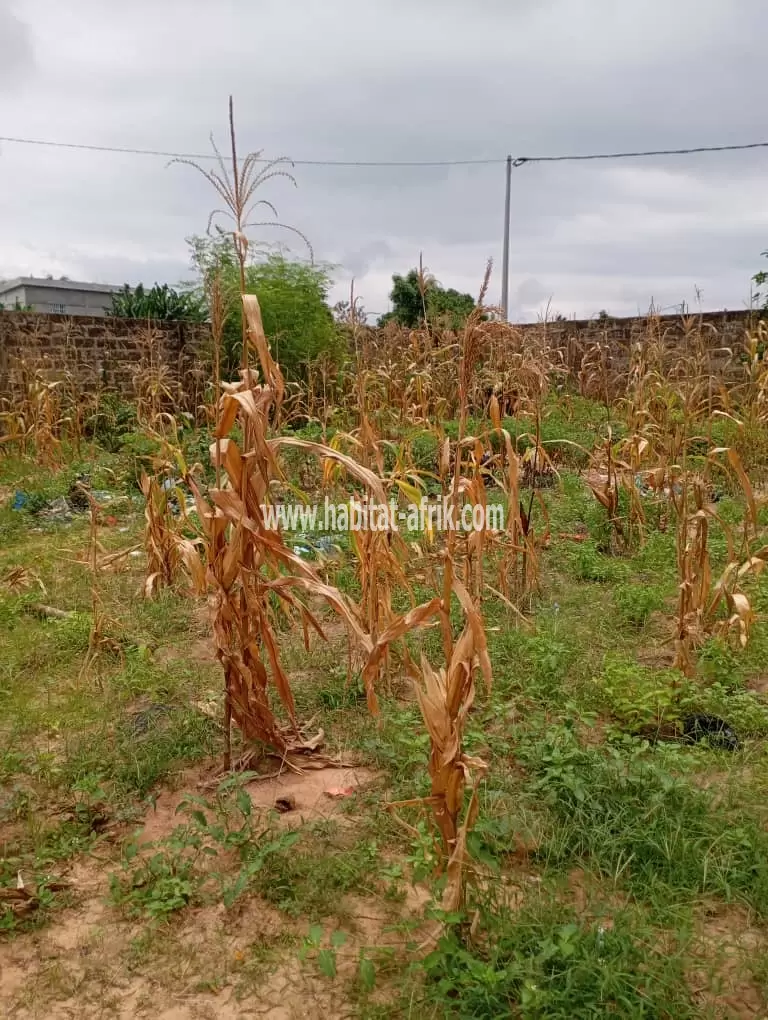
point(760, 279)
point(449, 308)
point(408, 297)
point(294, 308)
point(415, 293)
point(293, 299)
point(161, 303)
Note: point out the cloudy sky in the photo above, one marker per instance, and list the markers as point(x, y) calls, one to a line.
point(399, 80)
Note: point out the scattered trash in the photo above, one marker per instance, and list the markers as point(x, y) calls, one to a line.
point(339, 792)
point(326, 543)
point(312, 548)
point(647, 490)
point(135, 553)
point(57, 510)
point(78, 495)
point(700, 727)
point(63, 509)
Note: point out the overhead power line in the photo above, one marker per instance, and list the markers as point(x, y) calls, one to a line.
point(517, 161)
point(634, 155)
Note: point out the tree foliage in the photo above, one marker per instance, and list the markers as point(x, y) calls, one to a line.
point(161, 303)
point(760, 279)
point(418, 294)
point(293, 300)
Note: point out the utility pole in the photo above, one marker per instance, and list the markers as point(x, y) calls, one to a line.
point(505, 254)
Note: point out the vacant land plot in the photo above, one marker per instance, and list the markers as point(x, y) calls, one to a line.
point(568, 821)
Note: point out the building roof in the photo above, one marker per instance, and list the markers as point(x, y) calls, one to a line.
point(35, 281)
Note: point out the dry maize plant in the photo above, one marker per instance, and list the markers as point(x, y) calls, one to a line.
point(34, 417)
point(156, 385)
point(255, 575)
point(445, 698)
point(756, 371)
point(19, 579)
point(517, 564)
point(236, 185)
point(610, 478)
point(99, 641)
point(381, 553)
point(700, 599)
point(168, 550)
point(472, 340)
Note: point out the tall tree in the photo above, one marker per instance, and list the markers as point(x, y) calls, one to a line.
point(293, 299)
point(417, 294)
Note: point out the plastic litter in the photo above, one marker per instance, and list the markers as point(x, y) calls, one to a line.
point(716, 731)
point(338, 792)
point(57, 510)
point(310, 548)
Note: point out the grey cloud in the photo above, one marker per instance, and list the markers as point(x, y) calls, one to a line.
point(350, 79)
point(358, 262)
point(16, 55)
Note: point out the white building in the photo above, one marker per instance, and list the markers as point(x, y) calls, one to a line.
point(57, 297)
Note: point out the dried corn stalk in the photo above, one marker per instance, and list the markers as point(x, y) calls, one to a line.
point(168, 551)
point(445, 697)
point(255, 575)
point(699, 600)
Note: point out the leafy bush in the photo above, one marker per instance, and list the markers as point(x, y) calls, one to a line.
point(626, 816)
point(142, 451)
point(643, 699)
point(744, 711)
point(588, 564)
point(636, 602)
point(159, 885)
point(162, 303)
point(535, 666)
point(548, 962)
point(719, 663)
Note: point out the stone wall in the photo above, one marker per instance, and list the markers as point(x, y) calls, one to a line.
point(622, 331)
point(717, 329)
point(99, 353)
point(603, 346)
point(109, 353)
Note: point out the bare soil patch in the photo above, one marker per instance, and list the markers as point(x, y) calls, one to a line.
point(726, 941)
